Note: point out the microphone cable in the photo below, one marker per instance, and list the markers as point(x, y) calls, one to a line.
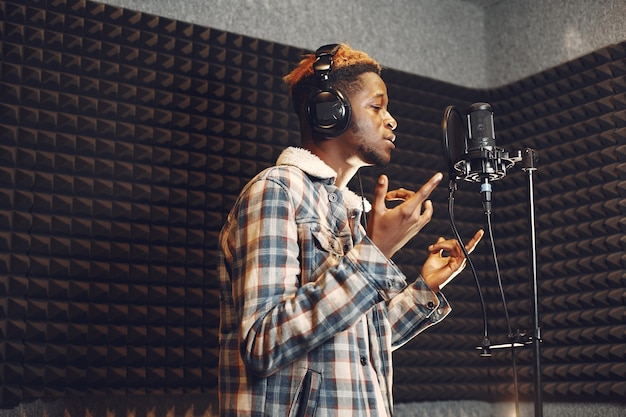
point(452, 186)
point(510, 335)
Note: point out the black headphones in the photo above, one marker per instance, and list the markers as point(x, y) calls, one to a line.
point(328, 110)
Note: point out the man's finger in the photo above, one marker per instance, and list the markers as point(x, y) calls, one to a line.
point(379, 194)
point(423, 193)
point(474, 242)
point(399, 194)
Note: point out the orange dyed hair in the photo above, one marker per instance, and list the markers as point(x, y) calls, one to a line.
point(344, 57)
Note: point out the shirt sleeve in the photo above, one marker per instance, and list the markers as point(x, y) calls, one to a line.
point(414, 310)
point(410, 308)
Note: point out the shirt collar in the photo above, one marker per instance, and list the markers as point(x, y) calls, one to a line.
point(314, 166)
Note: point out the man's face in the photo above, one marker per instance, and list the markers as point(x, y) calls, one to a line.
point(370, 136)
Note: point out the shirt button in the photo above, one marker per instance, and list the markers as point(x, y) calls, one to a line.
point(430, 305)
point(332, 197)
point(363, 360)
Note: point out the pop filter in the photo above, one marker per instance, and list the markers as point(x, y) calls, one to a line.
point(454, 138)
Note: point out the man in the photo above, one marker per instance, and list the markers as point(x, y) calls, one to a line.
point(311, 303)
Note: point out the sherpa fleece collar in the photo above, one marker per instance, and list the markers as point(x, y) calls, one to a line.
point(312, 165)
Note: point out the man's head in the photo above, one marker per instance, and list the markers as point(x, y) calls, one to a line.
point(367, 137)
point(321, 84)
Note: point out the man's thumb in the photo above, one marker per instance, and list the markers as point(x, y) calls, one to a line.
point(380, 192)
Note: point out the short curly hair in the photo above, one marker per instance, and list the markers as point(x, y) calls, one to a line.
point(348, 65)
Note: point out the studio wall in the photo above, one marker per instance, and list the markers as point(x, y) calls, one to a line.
point(471, 43)
point(125, 138)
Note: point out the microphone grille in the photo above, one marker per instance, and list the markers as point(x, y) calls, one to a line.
point(481, 129)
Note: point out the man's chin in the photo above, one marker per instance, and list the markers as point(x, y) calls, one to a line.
point(382, 161)
point(377, 159)
point(381, 164)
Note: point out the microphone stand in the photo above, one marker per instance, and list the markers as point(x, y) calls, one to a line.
point(529, 161)
point(475, 162)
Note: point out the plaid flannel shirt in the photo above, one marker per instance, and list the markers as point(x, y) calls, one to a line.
point(310, 308)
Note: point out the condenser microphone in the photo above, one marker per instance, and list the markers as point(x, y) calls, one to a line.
point(482, 160)
point(470, 148)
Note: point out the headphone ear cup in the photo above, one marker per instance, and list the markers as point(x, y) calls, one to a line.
point(329, 113)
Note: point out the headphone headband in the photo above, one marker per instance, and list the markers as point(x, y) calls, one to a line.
point(324, 62)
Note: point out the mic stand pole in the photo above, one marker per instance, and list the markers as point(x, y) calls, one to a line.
point(529, 161)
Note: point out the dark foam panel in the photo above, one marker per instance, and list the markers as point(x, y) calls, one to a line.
point(126, 137)
point(122, 133)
